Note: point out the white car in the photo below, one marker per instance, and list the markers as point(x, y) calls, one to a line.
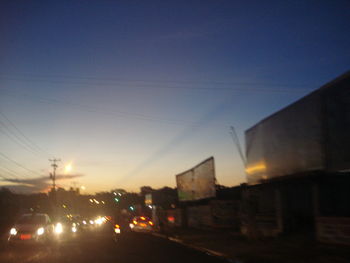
point(31, 229)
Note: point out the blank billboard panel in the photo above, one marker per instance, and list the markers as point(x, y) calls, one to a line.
point(310, 135)
point(198, 182)
point(185, 188)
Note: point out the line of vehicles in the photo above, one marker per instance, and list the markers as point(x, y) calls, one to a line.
point(38, 228)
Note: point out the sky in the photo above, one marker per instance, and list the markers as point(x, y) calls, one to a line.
point(131, 93)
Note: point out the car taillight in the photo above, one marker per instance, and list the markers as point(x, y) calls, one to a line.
point(150, 222)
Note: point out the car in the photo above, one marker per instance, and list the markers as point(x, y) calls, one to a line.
point(141, 224)
point(84, 224)
point(31, 228)
point(66, 227)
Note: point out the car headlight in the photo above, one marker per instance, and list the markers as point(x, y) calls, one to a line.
point(13, 231)
point(40, 231)
point(74, 229)
point(58, 228)
point(98, 221)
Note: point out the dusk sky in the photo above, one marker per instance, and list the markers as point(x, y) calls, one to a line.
point(131, 93)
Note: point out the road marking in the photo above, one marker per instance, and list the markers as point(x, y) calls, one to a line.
point(176, 240)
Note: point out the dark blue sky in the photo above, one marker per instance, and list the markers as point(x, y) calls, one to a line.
point(146, 89)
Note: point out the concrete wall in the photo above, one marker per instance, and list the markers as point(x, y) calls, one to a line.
point(199, 216)
point(333, 230)
point(225, 213)
point(262, 212)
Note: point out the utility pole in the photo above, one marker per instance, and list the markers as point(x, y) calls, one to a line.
point(53, 191)
point(53, 174)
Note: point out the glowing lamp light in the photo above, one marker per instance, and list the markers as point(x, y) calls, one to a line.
point(117, 229)
point(171, 219)
point(13, 231)
point(58, 228)
point(68, 168)
point(99, 221)
point(256, 168)
point(40, 231)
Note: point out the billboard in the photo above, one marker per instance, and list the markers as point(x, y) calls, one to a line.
point(311, 134)
point(198, 182)
point(148, 199)
point(287, 142)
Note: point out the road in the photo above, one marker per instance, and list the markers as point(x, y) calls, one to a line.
point(99, 247)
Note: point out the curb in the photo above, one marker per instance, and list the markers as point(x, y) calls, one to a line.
point(198, 248)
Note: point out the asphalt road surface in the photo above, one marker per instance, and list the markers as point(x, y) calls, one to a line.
point(100, 247)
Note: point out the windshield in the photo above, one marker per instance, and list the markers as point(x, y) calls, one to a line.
point(32, 219)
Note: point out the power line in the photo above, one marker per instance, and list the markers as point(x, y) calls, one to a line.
point(152, 81)
point(17, 141)
point(5, 178)
point(161, 84)
point(18, 164)
point(10, 174)
point(33, 146)
point(15, 174)
point(103, 111)
point(39, 78)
